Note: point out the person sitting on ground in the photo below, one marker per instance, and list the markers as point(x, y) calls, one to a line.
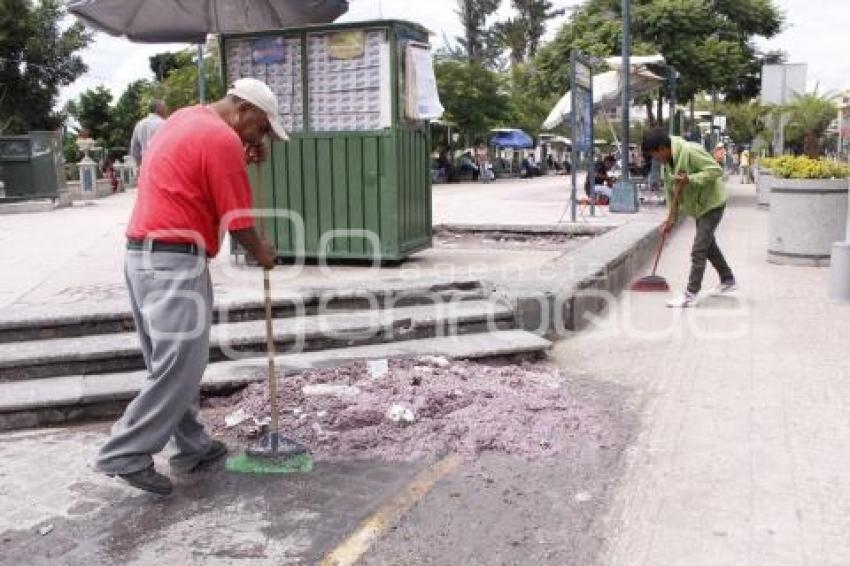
point(694, 184)
point(444, 164)
point(600, 184)
point(467, 165)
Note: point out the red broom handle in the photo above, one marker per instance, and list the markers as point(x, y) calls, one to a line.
point(660, 247)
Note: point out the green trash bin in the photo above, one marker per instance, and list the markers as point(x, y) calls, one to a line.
point(31, 166)
point(353, 181)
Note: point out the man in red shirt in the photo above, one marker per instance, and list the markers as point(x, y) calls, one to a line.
point(192, 187)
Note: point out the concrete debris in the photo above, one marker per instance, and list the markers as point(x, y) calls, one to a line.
point(378, 368)
point(437, 361)
point(401, 415)
point(330, 389)
point(46, 529)
point(236, 418)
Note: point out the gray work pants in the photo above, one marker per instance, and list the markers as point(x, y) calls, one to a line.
point(171, 300)
point(706, 248)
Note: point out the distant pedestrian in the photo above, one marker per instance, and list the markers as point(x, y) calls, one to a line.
point(146, 128)
point(194, 186)
point(694, 184)
point(720, 155)
point(745, 166)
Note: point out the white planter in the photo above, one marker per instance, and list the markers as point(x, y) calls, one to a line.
point(806, 217)
point(765, 178)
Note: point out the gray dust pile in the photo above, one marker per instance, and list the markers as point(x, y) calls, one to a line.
point(466, 239)
point(423, 408)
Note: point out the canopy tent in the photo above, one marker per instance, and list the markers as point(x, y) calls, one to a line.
point(607, 90)
point(510, 138)
point(189, 21)
point(635, 63)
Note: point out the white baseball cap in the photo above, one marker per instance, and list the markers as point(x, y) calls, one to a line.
point(260, 95)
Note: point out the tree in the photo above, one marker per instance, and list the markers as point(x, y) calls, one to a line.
point(711, 44)
point(744, 120)
point(810, 115)
point(181, 87)
point(163, 64)
point(473, 96)
point(527, 111)
point(534, 14)
point(594, 28)
point(473, 17)
point(94, 111)
point(512, 35)
point(130, 108)
point(38, 58)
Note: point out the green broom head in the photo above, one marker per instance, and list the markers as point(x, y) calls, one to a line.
point(246, 464)
point(273, 455)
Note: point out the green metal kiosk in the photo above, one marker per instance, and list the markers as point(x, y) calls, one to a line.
point(353, 181)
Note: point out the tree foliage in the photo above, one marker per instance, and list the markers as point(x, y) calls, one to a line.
point(711, 44)
point(37, 57)
point(163, 64)
point(473, 16)
point(130, 108)
point(534, 14)
point(473, 96)
point(810, 115)
point(94, 112)
point(181, 87)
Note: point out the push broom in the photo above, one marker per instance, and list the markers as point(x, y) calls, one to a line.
point(273, 454)
point(653, 282)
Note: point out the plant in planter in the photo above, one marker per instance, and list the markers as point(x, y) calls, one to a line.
point(809, 116)
point(808, 209)
point(803, 167)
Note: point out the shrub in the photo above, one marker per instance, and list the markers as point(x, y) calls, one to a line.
point(802, 167)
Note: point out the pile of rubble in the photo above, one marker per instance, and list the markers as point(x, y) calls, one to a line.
point(409, 409)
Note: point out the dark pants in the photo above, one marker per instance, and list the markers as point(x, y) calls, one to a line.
point(705, 248)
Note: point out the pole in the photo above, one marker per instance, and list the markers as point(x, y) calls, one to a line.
point(782, 117)
point(202, 79)
point(626, 90)
point(573, 152)
point(672, 100)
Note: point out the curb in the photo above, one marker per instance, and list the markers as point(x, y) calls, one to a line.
point(580, 282)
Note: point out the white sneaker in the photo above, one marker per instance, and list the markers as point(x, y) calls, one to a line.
point(725, 288)
point(685, 301)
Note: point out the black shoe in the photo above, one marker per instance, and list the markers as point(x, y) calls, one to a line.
point(215, 451)
point(148, 480)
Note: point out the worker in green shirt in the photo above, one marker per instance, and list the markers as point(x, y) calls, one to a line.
point(693, 182)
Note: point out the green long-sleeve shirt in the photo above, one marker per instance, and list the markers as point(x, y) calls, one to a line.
point(706, 190)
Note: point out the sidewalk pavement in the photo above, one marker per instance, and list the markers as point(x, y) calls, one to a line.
point(75, 255)
point(744, 452)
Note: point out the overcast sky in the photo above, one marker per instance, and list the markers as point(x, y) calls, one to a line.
point(815, 35)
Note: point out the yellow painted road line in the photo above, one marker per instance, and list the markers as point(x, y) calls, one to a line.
point(372, 528)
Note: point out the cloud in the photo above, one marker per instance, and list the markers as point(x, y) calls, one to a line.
point(814, 35)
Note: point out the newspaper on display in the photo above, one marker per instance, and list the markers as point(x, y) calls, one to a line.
point(423, 99)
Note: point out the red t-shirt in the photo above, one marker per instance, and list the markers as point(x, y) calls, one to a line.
point(192, 176)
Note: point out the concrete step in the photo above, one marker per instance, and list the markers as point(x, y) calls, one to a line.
point(121, 351)
point(75, 398)
point(22, 324)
